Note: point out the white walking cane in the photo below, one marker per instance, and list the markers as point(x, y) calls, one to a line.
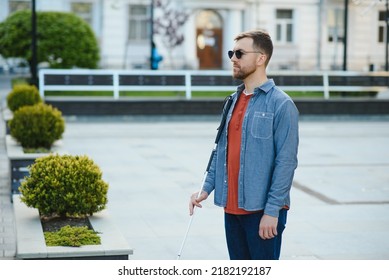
point(226, 108)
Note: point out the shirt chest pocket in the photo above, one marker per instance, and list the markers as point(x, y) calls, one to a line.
point(262, 125)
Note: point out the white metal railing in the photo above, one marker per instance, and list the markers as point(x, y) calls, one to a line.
point(186, 75)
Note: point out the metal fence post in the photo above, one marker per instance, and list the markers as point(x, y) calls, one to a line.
point(188, 85)
point(115, 77)
point(41, 84)
point(326, 86)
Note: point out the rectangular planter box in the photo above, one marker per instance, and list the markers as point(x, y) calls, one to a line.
point(19, 161)
point(30, 241)
point(7, 116)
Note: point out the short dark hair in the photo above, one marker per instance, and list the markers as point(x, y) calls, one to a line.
point(261, 41)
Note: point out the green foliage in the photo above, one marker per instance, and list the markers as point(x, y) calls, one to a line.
point(64, 185)
point(37, 126)
point(22, 95)
point(40, 150)
point(20, 80)
point(72, 236)
point(64, 39)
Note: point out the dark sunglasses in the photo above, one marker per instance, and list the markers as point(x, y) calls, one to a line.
point(239, 53)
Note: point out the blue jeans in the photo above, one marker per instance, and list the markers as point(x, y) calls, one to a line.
point(244, 242)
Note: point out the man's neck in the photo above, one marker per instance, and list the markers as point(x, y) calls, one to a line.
point(254, 81)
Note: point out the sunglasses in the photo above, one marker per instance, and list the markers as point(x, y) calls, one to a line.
point(239, 53)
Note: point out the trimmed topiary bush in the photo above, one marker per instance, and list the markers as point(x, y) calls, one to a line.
point(64, 185)
point(23, 95)
point(37, 126)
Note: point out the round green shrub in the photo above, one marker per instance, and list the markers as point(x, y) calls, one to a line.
point(37, 126)
point(64, 185)
point(23, 95)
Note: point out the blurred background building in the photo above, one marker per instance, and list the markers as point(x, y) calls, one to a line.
point(196, 34)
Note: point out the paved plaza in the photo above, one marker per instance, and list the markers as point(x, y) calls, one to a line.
point(340, 196)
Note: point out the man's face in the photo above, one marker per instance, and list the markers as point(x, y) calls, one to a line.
point(246, 65)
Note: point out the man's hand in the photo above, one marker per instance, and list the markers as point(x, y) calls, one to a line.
point(268, 227)
point(195, 201)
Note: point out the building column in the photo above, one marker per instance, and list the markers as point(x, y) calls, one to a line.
point(232, 27)
point(190, 44)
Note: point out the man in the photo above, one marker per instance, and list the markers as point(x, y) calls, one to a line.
point(253, 167)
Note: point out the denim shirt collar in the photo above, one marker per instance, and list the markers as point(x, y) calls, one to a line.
point(265, 87)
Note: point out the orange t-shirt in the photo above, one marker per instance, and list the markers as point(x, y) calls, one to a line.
point(233, 155)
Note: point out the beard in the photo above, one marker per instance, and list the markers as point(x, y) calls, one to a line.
point(242, 73)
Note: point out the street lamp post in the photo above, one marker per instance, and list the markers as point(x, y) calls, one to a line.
point(34, 78)
point(345, 35)
point(387, 36)
point(151, 33)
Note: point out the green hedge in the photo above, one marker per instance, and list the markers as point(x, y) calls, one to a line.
point(72, 236)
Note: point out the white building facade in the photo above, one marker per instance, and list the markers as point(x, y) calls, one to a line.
point(307, 34)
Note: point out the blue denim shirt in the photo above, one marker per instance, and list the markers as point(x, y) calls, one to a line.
point(268, 152)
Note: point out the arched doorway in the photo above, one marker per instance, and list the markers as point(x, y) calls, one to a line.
point(209, 38)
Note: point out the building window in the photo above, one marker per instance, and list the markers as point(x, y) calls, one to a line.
point(139, 23)
point(381, 26)
point(83, 10)
point(19, 5)
point(284, 26)
point(335, 23)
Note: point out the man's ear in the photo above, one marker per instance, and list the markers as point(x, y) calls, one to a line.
point(261, 59)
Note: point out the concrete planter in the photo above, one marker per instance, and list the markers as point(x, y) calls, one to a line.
point(31, 242)
point(19, 161)
point(7, 116)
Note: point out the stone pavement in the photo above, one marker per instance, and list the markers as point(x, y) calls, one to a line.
point(340, 197)
point(7, 233)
